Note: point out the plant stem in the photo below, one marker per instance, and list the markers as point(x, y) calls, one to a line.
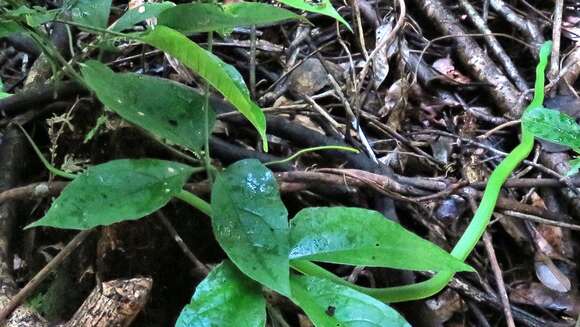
point(206, 154)
point(195, 201)
point(316, 148)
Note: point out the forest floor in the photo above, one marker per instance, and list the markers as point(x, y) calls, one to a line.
point(433, 112)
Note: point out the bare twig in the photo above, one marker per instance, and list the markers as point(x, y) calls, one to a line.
point(556, 34)
point(33, 284)
point(540, 220)
point(487, 241)
point(200, 266)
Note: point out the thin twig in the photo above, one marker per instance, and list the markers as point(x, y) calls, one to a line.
point(498, 279)
point(540, 220)
point(33, 284)
point(498, 128)
point(200, 266)
point(556, 34)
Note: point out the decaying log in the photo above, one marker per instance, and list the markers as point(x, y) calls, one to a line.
point(114, 304)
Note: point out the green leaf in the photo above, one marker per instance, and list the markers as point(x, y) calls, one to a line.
point(164, 107)
point(40, 17)
point(34, 16)
point(323, 7)
point(116, 191)
point(552, 125)
point(574, 167)
point(356, 236)
point(9, 27)
point(139, 14)
point(212, 69)
point(329, 304)
point(225, 298)
point(93, 13)
point(251, 223)
point(2, 93)
point(206, 17)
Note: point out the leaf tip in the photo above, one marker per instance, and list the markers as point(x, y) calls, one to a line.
point(467, 268)
point(37, 223)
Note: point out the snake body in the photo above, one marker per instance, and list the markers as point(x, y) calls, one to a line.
point(478, 224)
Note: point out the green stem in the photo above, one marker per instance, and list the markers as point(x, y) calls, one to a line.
point(195, 201)
point(52, 53)
point(206, 154)
point(316, 148)
point(55, 171)
point(95, 29)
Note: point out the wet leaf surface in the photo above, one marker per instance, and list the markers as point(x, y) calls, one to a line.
point(251, 223)
point(226, 297)
point(116, 191)
point(358, 236)
point(328, 304)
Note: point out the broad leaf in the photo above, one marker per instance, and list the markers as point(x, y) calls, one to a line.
point(225, 297)
point(116, 191)
point(356, 236)
point(251, 223)
point(323, 7)
point(205, 17)
point(163, 107)
point(9, 27)
point(139, 14)
point(33, 16)
point(330, 304)
point(212, 69)
point(552, 125)
point(94, 13)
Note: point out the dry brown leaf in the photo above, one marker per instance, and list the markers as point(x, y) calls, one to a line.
point(537, 294)
point(445, 66)
point(395, 103)
point(446, 305)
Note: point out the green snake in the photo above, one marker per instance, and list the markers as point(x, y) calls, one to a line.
point(477, 226)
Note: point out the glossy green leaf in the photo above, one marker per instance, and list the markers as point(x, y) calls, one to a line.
point(34, 16)
point(206, 17)
point(139, 14)
point(212, 69)
point(332, 305)
point(40, 18)
point(166, 108)
point(225, 297)
point(356, 236)
point(93, 13)
point(323, 7)
point(251, 223)
point(116, 191)
point(552, 125)
point(9, 27)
